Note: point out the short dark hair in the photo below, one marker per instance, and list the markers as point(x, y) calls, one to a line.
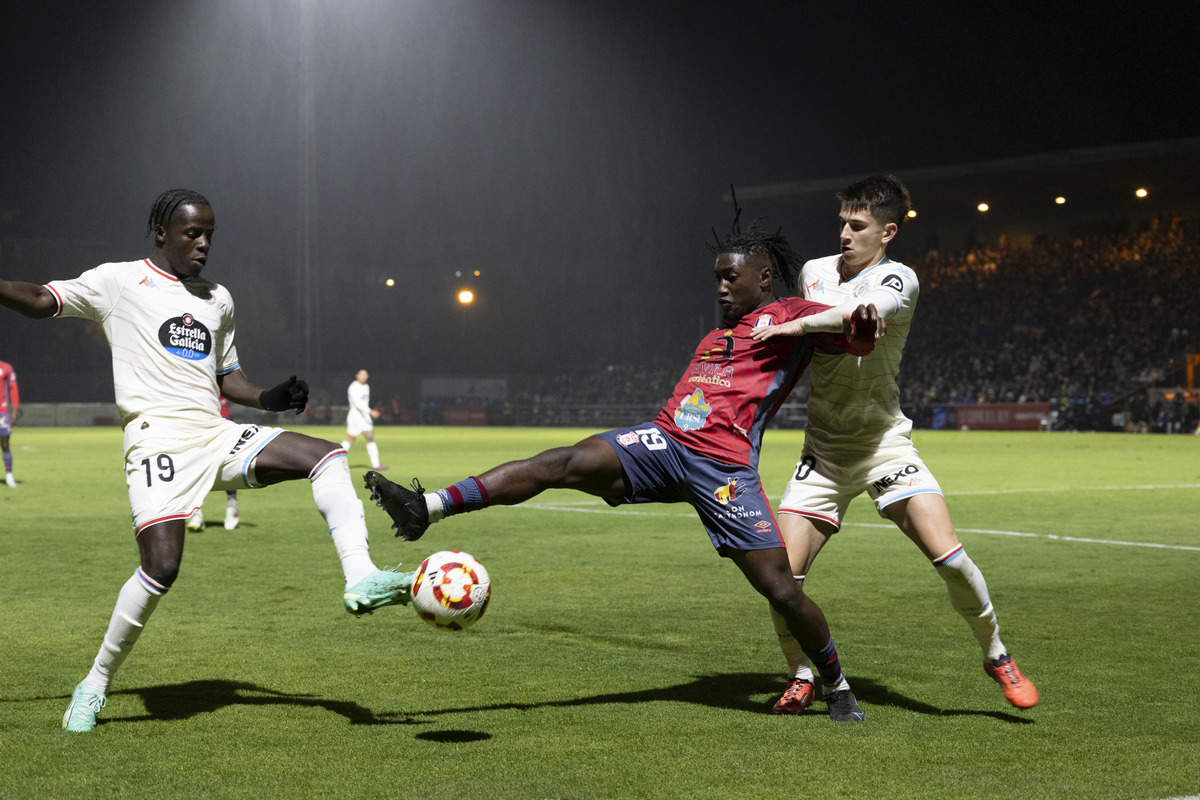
point(755, 241)
point(170, 200)
point(882, 196)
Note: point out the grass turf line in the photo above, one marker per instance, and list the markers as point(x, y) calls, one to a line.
point(621, 656)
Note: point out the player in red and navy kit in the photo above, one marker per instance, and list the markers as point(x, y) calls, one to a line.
point(702, 449)
point(10, 411)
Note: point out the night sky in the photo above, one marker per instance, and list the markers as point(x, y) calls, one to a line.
point(577, 154)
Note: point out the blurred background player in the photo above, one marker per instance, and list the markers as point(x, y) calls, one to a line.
point(196, 520)
point(702, 449)
point(857, 438)
point(10, 412)
point(172, 333)
point(360, 419)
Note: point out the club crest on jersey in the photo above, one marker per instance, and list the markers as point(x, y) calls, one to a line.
point(692, 412)
point(186, 337)
point(727, 493)
point(627, 439)
point(893, 281)
point(764, 321)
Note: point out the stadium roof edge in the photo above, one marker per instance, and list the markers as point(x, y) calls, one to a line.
point(1062, 158)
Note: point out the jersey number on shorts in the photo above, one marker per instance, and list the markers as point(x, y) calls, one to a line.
point(652, 439)
point(805, 467)
point(166, 469)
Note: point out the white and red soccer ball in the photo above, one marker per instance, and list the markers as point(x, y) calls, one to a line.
point(451, 590)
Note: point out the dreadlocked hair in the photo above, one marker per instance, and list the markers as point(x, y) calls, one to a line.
point(166, 204)
point(756, 241)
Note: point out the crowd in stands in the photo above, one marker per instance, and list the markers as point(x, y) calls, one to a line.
point(1085, 321)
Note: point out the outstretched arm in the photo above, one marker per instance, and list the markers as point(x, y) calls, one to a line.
point(29, 299)
point(291, 394)
point(849, 320)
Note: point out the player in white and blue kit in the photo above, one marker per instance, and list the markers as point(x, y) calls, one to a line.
point(360, 417)
point(171, 333)
point(858, 438)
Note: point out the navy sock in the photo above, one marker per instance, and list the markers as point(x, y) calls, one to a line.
point(466, 495)
point(827, 664)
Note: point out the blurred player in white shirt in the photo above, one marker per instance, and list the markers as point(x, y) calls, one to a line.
point(858, 439)
point(171, 333)
point(360, 419)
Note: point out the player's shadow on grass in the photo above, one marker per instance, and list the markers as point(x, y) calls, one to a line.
point(184, 700)
point(737, 691)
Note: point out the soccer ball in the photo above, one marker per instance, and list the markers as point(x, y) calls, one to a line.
point(451, 590)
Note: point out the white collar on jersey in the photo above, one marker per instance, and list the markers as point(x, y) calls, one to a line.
point(842, 275)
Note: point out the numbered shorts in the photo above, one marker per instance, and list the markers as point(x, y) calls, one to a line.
point(5, 425)
point(728, 499)
point(822, 487)
point(169, 471)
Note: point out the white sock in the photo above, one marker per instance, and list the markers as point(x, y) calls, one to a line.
point(373, 454)
point(135, 603)
point(969, 596)
point(434, 507)
point(798, 664)
point(343, 512)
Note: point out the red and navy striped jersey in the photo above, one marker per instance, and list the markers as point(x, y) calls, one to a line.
point(734, 385)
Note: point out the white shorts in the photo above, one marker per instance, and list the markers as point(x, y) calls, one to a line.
point(357, 426)
point(821, 488)
point(169, 470)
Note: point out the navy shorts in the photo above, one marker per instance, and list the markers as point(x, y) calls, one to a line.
point(729, 499)
point(5, 426)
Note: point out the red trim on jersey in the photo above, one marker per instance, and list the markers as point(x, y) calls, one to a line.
point(166, 275)
point(57, 298)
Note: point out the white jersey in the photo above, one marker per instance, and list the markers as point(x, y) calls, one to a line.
point(358, 419)
point(169, 338)
point(855, 403)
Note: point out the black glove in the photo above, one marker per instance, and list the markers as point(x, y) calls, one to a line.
point(289, 394)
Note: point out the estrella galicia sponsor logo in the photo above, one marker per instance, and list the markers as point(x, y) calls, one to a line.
point(893, 281)
point(902, 476)
point(692, 412)
point(186, 337)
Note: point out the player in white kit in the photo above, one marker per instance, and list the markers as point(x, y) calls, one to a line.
point(858, 439)
point(360, 419)
point(171, 333)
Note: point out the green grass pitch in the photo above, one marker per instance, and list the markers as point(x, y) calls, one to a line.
point(620, 656)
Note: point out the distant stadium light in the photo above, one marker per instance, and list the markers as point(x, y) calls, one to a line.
point(476, 273)
point(1141, 193)
point(982, 207)
point(1060, 200)
point(390, 282)
point(912, 212)
point(466, 296)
